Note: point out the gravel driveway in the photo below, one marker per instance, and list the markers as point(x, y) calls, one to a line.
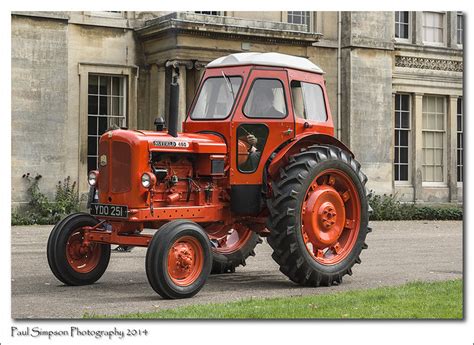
point(398, 252)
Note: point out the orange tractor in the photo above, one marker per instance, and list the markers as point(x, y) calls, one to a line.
point(257, 158)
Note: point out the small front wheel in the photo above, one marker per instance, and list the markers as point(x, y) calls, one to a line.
point(71, 260)
point(178, 259)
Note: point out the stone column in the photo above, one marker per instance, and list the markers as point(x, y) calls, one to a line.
point(318, 21)
point(153, 106)
point(156, 94)
point(417, 150)
point(182, 96)
point(418, 32)
point(451, 29)
point(161, 85)
point(199, 68)
point(451, 147)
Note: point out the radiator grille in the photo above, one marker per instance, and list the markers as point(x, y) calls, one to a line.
point(120, 167)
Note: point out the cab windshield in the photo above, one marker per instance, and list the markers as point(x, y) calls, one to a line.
point(216, 98)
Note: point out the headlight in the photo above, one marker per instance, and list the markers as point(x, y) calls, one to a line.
point(148, 180)
point(93, 177)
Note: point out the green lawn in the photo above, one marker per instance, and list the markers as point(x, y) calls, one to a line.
point(437, 300)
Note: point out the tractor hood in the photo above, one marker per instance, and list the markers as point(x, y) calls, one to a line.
point(163, 142)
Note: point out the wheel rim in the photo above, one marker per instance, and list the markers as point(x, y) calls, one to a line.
point(228, 239)
point(82, 258)
point(330, 217)
point(185, 261)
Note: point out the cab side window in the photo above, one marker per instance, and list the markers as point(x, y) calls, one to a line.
point(266, 100)
point(251, 139)
point(308, 101)
point(297, 97)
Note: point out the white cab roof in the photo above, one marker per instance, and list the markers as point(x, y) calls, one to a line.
point(266, 59)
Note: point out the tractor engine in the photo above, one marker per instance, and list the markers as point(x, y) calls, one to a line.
point(155, 177)
point(187, 179)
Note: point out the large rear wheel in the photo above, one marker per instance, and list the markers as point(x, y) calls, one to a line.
point(231, 246)
point(319, 216)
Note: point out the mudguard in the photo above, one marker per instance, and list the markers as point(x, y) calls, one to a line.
point(297, 144)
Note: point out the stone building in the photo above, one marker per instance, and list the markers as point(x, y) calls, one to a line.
point(394, 79)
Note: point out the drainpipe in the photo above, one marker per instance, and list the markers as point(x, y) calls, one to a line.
point(339, 24)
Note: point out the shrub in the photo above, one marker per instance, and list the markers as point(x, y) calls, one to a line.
point(40, 210)
point(388, 207)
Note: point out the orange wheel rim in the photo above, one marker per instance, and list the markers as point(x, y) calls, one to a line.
point(185, 261)
point(330, 220)
point(228, 239)
point(82, 258)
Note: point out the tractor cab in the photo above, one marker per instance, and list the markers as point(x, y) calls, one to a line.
point(258, 102)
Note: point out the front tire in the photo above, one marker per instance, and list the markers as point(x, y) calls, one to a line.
point(319, 216)
point(69, 260)
point(178, 259)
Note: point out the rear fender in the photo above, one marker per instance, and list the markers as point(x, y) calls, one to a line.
point(296, 145)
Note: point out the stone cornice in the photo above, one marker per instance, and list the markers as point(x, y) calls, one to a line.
point(176, 63)
point(227, 28)
point(427, 49)
point(43, 14)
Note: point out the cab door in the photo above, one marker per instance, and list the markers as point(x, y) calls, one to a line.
point(263, 120)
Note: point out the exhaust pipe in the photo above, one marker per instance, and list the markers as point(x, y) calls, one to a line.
point(174, 103)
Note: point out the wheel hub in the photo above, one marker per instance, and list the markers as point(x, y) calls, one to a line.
point(327, 215)
point(81, 257)
point(185, 260)
point(183, 257)
point(324, 216)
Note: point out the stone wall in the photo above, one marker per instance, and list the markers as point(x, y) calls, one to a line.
point(39, 103)
point(367, 93)
point(49, 131)
point(94, 49)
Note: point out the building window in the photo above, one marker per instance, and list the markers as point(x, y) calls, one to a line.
point(211, 13)
point(433, 27)
point(433, 123)
point(107, 108)
point(460, 29)
point(402, 137)
point(299, 17)
point(460, 141)
point(402, 24)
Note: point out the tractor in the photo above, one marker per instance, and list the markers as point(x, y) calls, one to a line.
point(257, 157)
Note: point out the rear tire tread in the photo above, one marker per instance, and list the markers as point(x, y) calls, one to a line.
point(282, 238)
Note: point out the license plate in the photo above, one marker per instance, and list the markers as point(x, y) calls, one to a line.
point(108, 210)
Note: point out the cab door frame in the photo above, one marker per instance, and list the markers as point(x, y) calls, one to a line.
point(246, 187)
point(280, 129)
